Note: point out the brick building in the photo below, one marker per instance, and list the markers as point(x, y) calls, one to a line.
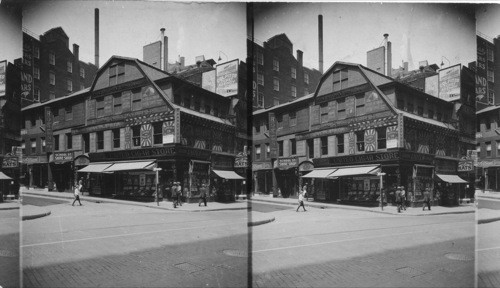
point(50, 69)
point(362, 123)
point(488, 148)
point(278, 76)
point(136, 117)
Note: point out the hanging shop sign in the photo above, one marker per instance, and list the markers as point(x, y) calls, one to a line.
point(241, 160)
point(49, 121)
point(10, 162)
point(285, 163)
point(465, 165)
point(273, 136)
point(61, 157)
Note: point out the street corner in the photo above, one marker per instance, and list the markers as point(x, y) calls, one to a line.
point(485, 215)
point(259, 218)
point(29, 212)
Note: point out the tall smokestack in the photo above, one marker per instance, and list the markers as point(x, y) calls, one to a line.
point(96, 32)
point(320, 40)
point(162, 51)
point(165, 53)
point(388, 56)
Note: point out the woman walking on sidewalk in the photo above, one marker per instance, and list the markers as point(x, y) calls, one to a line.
point(78, 187)
point(301, 201)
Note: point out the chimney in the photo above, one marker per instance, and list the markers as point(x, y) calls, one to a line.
point(182, 60)
point(162, 55)
point(96, 32)
point(388, 55)
point(165, 53)
point(320, 40)
point(299, 57)
point(405, 66)
point(76, 52)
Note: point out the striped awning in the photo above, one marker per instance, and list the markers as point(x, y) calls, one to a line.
point(95, 167)
point(128, 166)
point(352, 171)
point(320, 173)
point(451, 178)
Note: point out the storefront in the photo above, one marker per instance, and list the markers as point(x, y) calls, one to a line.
point(35, 170)
point(61, 165)
point(448, 189)
point(287, 176)
point(263, 177)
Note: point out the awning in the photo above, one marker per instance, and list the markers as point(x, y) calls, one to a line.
point(451, 178)
point(351, 171)
point(4, 177)
point(228, 174)
point(127, 166)
point(319, 173)
point(95, 167)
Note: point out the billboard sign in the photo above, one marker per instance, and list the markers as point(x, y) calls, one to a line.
point(3, 77)
point(49, 120)
point(227, 78)
point(273, 136)
point(432, 85)
point(208, 81)
point(151, 54)
point(449, 83)
point(27, 70)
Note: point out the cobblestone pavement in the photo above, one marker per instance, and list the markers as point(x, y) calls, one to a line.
point(9, 248)
point(488, 254)
point(112, 245)
point(339, 248)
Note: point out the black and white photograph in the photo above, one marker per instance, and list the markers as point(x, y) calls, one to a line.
point(249, 144)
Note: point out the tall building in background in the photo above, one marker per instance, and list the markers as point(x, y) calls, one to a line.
point(278, 76)
point(49, 69)
point(485, 71)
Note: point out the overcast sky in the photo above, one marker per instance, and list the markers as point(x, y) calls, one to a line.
point(352, 29)
point(193, 29)
point(488, 20)
point(10, 29)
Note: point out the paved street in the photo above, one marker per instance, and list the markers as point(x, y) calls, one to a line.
point(9, 248)
point(342, 248)
point(107, 244)
point(488, 244)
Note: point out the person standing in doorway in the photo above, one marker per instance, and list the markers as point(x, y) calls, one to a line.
point(78, 187)
point(427, 199)
point(301, 201)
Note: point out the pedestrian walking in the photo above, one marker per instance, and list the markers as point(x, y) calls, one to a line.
point(427, 199)
point(203, 195)
point(179, 193)
point(398, 199)
point(77, 188)
point(403, 197)
point(301, 201)
point(304, 191)
point(173, 193)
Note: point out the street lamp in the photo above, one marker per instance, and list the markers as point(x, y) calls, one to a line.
point(442, 63)
point(221, 58)
point(381, 174)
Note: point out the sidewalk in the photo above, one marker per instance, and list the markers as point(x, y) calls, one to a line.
point(417, 211)
point(32, 212)
point(485, 215)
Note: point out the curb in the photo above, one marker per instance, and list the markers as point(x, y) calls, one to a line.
point(35, 216)
point(260, 222)
point(489, 220)
point(357, 209)
point(8, 208)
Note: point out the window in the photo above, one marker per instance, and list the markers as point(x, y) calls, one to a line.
point(340, 79)
point(360, 105)
point(55, 112)
point(276, 65)
point(487, 123)
point(310, 147)
point(280, 148)
point(52, 58)
point(42, 139)
point(360, 141)
point(276, 101)
point(498, 148)
point(341, 108)
point(260, 100)
point(340, 143)
point(197, 105)
point(100, 140)
point(157, 133)
point(293, 147)
point(323, 110)
point(293, 91)
point(276, 84)
point(294, 73)
point(260, 58)
point(411, 109)
point(306, 78)
point(86, 142)
point(52, 78)
point(257, 126)
point(488, 149)
point(420, 110)
point(69, 141)
point(33, 145)
point(216, 112)
point(36, 52)
point(69, 85)
point(32, 121)
point(207, 109)
point(279, 121)
point(23, 146)
point(381, 137)
point(401, 104)
point(187, 102)
point(430, 114)
point(99, 104)
point(491, 75)
point(260, 79)
point(82, 72)
point(439, 116)
point(490, 55)
point(36, 95)
point(56, 142)
point(116, 138)
point(69, 66)
point(324, 145)
point(52, 95)
point(268, 151)
point(136, 135)
point(293, 119)
point(36, 73)
point(136, 101)
point(69, 112)
point(117, 104)
point(116, 74)
point(257, 152)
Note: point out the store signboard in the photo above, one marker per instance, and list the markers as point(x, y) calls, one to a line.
point(432, 85)
point(227, 78)
point(61, 157)
point(49, 120)
point(27, 69)
point(465, 165)
point(208, 81)
point(241, 160)
point(288, 162)
point(3, 77)
point(10, 162)
point(449, 83)
point(392, 137)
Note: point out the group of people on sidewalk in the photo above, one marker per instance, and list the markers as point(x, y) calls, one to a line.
point(401, 199)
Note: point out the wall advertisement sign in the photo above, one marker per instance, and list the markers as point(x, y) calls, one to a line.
point(432, 85)
point(49, 120)
point(3, 77)
point(273, 149)
point(227, 78)
point(208, 81)
point(481, 66)
point(27, 70)
point(449, 83)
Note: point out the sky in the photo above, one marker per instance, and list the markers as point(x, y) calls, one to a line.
point(436, 32)
point(12, 37)
point(193, 29)
point(488, 20)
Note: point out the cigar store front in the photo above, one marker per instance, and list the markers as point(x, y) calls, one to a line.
point(356, 179)
point(286, 170)
point(61, 166)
